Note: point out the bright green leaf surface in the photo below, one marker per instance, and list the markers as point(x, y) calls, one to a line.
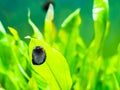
point(101, 23)
point(55, 70)
point(49, 28)
point(37, 33)
point(2, 31)
point(69, 64)
point(69, 40)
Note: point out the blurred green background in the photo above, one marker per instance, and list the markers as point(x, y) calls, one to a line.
point(14, 13)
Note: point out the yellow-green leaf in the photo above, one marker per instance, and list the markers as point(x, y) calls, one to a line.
point(55, 69)
point(49, 28)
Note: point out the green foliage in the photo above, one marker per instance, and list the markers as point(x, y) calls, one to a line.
point(69, 64)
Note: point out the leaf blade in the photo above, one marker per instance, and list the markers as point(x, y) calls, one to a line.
point(52, 69)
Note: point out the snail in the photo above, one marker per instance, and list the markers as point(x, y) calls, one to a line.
point(38, 55)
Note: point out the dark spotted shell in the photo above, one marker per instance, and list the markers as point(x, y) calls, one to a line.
point(38, 55)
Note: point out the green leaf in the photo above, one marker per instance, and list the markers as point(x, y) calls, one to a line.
point(69, 40)
point(92, 62)
point(32, 85)
point(110, 82)
point(37, 33)
point(21, 50)
point(9, 65)
point(72, 20)
point(68, 35)
point(42, 84)
point(14, 32)
point(101, 23)
point(13, 61)
point(49, 28)
point(54, 70)
point(6, 82)
point(36, 83)
point(2, 31)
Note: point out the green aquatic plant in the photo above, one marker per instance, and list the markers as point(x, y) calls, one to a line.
point(68, 63)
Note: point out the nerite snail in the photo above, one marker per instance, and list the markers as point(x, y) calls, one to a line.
point(38, 55)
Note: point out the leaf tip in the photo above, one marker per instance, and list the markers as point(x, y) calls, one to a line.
point(74, 14)
point(50, 13)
